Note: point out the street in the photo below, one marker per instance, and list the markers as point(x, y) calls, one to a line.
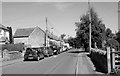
point(70, 62)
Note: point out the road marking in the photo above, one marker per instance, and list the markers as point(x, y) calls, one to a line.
point(76, 68)
point(54, 67)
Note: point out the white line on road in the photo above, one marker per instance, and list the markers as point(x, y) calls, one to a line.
point(76, 69)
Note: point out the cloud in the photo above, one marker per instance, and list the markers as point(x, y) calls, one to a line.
point(63, 6)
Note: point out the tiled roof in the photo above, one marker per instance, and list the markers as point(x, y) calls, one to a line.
point(25, 32)
point(3, 27)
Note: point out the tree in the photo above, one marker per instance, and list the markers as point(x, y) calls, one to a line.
point(97, 27)
point(113, 44)
point(62, 36)
point(73, 42)
point(118, 36)
point(108, 33)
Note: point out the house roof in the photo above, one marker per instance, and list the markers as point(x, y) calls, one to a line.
point(3, 27)
point(24, 32)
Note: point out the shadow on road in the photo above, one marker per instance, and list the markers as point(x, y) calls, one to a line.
point(77, 52)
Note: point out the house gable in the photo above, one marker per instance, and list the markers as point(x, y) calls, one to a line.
point(37, 37)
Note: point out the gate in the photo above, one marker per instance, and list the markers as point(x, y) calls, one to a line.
point(115, 59)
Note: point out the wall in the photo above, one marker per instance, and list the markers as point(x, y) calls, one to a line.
point(21, 40)
point(37, 38)
point(4, 34)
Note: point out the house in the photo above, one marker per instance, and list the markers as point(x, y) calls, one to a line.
point(30, 36)
point(34, 37)
point(53, 38)
point(4, 34)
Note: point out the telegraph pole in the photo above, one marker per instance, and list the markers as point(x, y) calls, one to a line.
point(89, 8)
point(46, 33)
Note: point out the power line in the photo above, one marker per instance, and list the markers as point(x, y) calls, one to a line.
point(51, 24)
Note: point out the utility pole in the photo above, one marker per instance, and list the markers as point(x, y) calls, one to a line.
point(46, 34)
point(89, 8)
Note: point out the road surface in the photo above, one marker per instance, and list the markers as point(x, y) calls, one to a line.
point(70, 62)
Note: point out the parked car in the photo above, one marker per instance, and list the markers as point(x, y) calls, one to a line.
point(33, 53)
point(48, 51)
point(56, 49)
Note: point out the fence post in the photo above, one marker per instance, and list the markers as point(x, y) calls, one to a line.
point(108, 60)
point(113, 58)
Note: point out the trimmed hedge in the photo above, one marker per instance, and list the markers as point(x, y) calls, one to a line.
point(99, 61)
point(13, 47)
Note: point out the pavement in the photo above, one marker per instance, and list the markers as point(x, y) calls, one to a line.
point(5, 63)
point(74, 61)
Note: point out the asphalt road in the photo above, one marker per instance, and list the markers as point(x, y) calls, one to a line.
point(70, 62)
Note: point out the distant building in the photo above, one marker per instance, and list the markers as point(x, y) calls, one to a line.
point(4, 34)
point(119, 15)
point(28, 36)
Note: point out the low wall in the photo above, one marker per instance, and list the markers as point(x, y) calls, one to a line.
point(12, 56)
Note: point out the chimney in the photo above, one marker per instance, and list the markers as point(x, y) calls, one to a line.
point(10, 34)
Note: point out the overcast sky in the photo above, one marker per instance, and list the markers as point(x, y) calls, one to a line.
point(61, 15)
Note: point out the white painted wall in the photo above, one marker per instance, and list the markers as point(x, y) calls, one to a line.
point(37, 38)
point(4, 33)
point(21, 40)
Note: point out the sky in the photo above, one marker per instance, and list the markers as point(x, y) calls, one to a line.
point(61, 15)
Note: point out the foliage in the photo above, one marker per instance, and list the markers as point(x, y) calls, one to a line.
point(113, 43)
point(62, 36)
point(118, 36)
point(97, 29)
point(99, 61)
point(74, 42)
point(13, 47)
point(108, 33)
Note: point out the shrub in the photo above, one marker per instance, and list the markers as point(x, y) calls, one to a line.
point(99, 61)
point(13, 47)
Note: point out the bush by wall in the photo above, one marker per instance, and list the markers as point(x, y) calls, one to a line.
point(13, 47)
point(99, 61)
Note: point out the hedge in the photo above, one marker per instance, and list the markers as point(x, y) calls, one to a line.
point(99, 61)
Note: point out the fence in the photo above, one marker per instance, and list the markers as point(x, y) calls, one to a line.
point(113, 58)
